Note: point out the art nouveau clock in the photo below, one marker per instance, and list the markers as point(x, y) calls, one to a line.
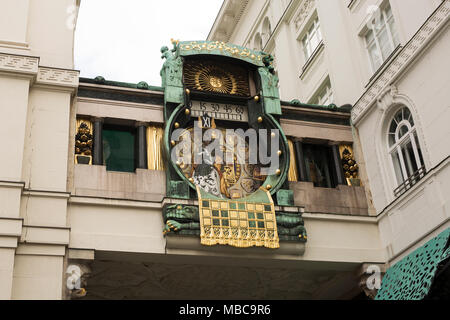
point(224, 144)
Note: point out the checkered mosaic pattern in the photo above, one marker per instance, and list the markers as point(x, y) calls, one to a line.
point(238, 223)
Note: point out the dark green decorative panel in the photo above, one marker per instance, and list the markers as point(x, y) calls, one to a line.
point(285, 197)
point(178, 189)
point(412, 277)
point(118, 148)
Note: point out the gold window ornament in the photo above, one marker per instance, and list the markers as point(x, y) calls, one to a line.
point(349, 165)
point(154, 148)
point(83, 142)
point(293, 171)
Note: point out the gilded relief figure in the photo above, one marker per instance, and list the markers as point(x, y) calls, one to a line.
point(225, 180)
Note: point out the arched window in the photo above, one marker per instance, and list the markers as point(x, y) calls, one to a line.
point(405, 151)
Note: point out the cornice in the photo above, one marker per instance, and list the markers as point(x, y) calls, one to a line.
point(19, 64)
point(400, 63)
point(58, 77)
point(227, 19)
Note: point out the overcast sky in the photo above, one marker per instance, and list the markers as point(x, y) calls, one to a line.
point(121, 40)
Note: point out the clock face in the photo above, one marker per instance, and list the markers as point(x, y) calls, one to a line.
point(223, 178)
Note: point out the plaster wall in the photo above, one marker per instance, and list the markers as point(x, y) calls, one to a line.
point(6, 272)
point(305, 129)
point(349, 200)
point(47, 139)
point(41, 28)
point(339, 238)
point(36, 89)
point(96, 181)
point(37, 277)
point(120, 110)
point(113, 225)
point(14, 107)
point(13, 22)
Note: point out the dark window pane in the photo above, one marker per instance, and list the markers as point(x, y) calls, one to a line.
point(393, 127)
point(407, 115)
point(419, 150)
point(391, 139)
point(118, 148)
point(410, 160)
point(398, 116)
point(318, 162)
point(397, 167)
point(403, 130)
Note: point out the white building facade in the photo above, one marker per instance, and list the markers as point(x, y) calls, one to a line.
point(389, 60)
point(37, 90)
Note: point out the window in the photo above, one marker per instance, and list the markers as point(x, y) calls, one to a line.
point(319, 165)
point(405, 150)
point(119, 148)
point(382, 38)
point(325, 95)
point(312, 39)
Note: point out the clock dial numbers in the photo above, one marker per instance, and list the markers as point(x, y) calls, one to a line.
point(221, 111)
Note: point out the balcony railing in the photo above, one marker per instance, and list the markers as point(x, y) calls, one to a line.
point(410, 182)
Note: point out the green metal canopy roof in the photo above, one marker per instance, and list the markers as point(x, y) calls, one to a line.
point(412, 277)
point(187, 48)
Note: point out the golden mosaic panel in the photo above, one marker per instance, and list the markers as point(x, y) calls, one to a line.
point(237, 223)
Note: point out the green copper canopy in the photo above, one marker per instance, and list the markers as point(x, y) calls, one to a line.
point(187, 48)
point(412, 277)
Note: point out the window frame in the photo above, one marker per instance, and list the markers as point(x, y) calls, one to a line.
point(396, 148)
point(394, 42)
point(318, 95)
point(325, 91)
point(311, 28)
